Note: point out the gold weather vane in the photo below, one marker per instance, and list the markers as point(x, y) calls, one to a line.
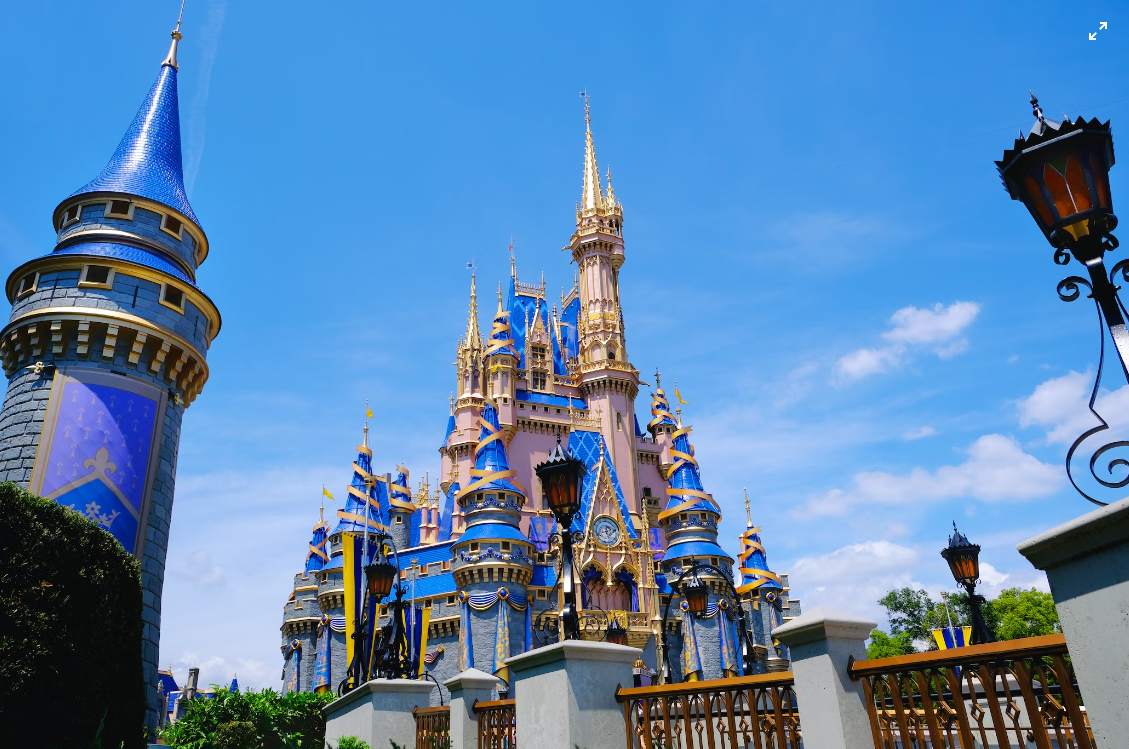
point(748, 513)
point(658, 383)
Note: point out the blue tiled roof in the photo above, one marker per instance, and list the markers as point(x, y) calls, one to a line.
point(450, 428)
point(435, 585)
point(334, 563)
point(127, 253)
point(426, 554)
point(549, 400)
point(569, 317)
point(147, 162)
point(694, 548)
point(356, 506)
point(492, 457)
point(169, 682)
point(313, 562)
point(586, 447)
point(544, 575)
point(448, 513)
point(687, 477)
point(492, 531)
point(662, 583)
point(758, 561)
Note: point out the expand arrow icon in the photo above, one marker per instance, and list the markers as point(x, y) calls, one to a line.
point(1093, 36)
point(1103, 26)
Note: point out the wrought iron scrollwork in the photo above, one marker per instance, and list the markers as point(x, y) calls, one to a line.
point(1062, 257)
point(1068, 289)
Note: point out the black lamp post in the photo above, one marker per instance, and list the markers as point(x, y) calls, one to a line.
point(560, 477)
point(616, 634)
point(964, 562)
point(1060, 171)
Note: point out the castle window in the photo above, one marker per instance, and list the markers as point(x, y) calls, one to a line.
point(450, 600)
point(618, 421)
point(538, 380)
point(683, 516)
point(505, 546)
point(611, 353)
point(558, 410)
point(713, 561)
point(423, 570)
point(119, 209)
point(100, 276)
point(539, 353)
point(542, 594)
point(446, 566)
point(521, 405)
point(399, 519)
point(646, 491)
point(474, 546)
point(172, 226)
point(384, 611)
point(72, 214)
point(171, 296)
point(28, 284)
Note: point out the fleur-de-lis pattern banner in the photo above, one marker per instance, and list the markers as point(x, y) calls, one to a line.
point(98, 455)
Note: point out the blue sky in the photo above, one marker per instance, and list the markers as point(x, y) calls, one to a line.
point(819, 251)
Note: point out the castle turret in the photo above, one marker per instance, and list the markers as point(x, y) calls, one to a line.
point(765, 595)
point(106, 347)
point(608, 383)
point(301, 616)
point(501, 365)
point(492, 561)
point(401, 509)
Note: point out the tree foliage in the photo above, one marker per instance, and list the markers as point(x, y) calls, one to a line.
point(70, 630)
point(251, 720)
point(913, 615)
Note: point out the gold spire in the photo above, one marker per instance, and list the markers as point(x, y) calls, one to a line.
point(611, 193)
point(592, 199)
point(748, 513)
point(452, 399)
point(170, 58)
point(473, 336)
point(368, 411)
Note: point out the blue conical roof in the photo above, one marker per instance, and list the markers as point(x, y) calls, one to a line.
point(353, 516)
point(660, 411)
point(318, 557)
point(753, 564)
point(490, 457)
point(147, 162)
point(686, 476)
point(448, 513)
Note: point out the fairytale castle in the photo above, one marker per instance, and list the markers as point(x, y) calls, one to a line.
point(477, 551)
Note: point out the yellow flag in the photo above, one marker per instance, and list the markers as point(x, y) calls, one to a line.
point(325, 492)
point(368, 412)
point(678, 395)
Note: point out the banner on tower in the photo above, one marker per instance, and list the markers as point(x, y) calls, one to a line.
point(99, 448)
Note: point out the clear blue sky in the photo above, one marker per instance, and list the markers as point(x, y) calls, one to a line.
point(793, 175)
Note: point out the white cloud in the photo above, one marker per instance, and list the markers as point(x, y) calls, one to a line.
point(854, 577)
point(200, 570)
point(938, 329)
point(997, 469)
point(209, 37)
point(915, 434)
point(1061, 406)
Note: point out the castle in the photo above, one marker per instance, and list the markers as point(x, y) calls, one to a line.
point(478, 554)
point(106, 347)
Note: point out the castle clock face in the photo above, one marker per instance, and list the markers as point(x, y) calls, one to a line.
point(606, 531)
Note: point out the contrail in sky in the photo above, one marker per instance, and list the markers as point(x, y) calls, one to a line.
point(197, 112)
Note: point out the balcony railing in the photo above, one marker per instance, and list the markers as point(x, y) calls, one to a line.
point(433, 727)
point(497, 724)
point(1014, 695)
point(747, 712)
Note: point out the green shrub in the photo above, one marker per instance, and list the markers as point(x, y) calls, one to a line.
point(70, 630)
point(352, 742)
point(245, 719)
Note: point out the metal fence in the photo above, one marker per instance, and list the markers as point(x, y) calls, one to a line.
point(1011, 695)
point(497, 724)
point(433, 727)
point(750, 712)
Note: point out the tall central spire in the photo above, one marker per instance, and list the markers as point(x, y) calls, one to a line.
point(473, 336)
point(592, 200)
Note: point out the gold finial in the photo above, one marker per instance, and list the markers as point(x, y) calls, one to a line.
point(611, 193)
point(513, 265)
point(452, 399)
point(592, 197)
point(170, 58)
point(368, 415)
point(601, 449)
point(473, 337)
point(658, 384)
point(748, 514)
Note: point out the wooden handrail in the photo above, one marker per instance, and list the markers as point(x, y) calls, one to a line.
point(781, 678)
point(430, 710)
point(493, 704)
point(1023, 648)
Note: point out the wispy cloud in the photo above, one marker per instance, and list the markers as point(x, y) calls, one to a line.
point(1061, 407)
point(938, 329)
point(209, 38)
point(920, 432)
point(997, 470)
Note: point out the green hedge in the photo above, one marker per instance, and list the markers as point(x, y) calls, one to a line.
point(70, 630)
point(251, 720)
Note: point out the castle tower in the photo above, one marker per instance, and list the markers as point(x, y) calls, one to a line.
point(106, 347)
point(607, 381)
point(501, 365)
point(301, 616)
point(764, 594)
point(690, 524)
point(401, 510)
point(492, 560)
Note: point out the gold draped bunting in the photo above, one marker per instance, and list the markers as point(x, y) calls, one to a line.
point(748, 546)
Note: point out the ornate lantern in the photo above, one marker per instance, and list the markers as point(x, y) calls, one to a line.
point(560, 476)
point(380, 573)
point(1061, 173)
point(696, 594)
point(616, 634)
point(963, 558)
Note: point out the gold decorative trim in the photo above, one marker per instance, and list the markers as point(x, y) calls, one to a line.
point(96, 198)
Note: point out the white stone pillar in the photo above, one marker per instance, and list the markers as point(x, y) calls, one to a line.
point(1087, 565)
point(565, 694)
point(378, 711)
point(832, 707)
point(466, 688)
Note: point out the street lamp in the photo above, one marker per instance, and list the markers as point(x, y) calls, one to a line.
point(697, 595)
point(964, 562)
point(1060, 171)
point(560, 477)
point(380, 575)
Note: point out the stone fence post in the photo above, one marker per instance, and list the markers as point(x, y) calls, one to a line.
point(1087, 565)
point(377, 712)
point(832, 707)
point(565, 694)
point(466, 688)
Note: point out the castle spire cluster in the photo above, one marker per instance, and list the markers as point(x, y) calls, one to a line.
point(487, 584)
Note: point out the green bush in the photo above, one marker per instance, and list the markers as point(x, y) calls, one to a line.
point(70, 630)
point(352, 742)
point(249, 719)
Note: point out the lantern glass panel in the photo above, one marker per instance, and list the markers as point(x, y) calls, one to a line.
point(697, 596)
